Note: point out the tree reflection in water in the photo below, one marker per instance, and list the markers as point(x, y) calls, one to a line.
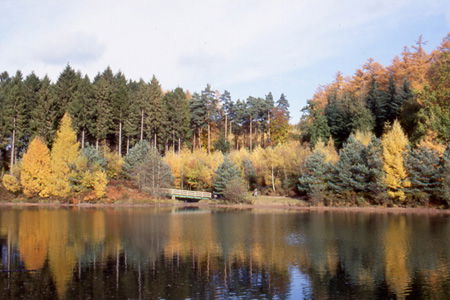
point(176, 254)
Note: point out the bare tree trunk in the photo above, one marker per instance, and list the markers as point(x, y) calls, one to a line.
point(96, 143)
point(82, 138)
point(273, 180)
point(226, 126)
point(128, 144)
point(155, 140)
point(250, 137)
point(142, 124)
point(193, 142)
point(173, 141)
point(179, 145)
point(209, 138)
point(13, 147)
point(120, 138)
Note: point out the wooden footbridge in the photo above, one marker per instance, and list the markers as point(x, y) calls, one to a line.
point(185, 194)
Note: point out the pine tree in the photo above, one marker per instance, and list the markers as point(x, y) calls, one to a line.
point(224, 174)
point(65, 90)
point(395, 144)
point(210, 102)
point(178, 117)
point(36, 170)
point(319, 130)
point(422, 164)
point(227, 106)
point(15, 115)
point(135, 156)
point(143, 103)
point(376, 101)
point(64, 153)
point(82, 109)
point(199, 115)
point(283, 104)
point(350, 172)
point(44, 113)
point(156, 113)
point(32, 85)
point(102, 94)
point(314, 177)
point(394, 101)
point(132, 115)
point(119, 102)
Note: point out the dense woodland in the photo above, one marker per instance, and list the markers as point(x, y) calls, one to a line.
point(380, 136)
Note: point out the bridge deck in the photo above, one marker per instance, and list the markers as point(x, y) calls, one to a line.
point(185, 194)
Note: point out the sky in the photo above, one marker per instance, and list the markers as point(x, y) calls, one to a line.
point(247, 47)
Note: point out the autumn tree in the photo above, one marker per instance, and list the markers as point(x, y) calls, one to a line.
point(395, 145)
point(64, 153)
point(36, 170)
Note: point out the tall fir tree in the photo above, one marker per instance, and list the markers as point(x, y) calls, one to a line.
point(132, 115)
point(15, 115)
point(155, 120)
point(119, 102)
point(199, 116)
point(102, 94)
point(44, 114)
point(226, 172)
point(82, 109)
point(422, 164)
point(178, 117)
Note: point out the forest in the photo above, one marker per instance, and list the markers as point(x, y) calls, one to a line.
point(380, 136)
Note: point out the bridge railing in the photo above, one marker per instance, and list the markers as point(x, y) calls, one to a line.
point(176, 193)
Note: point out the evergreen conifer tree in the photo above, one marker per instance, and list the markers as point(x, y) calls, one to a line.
point(314, 176)
point(445, 173)
point(156, 115)
point(422, 164)
point(224, 174)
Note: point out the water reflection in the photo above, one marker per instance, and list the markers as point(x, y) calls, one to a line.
point(181, 253)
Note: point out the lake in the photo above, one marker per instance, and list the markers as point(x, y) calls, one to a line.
point(180, 253)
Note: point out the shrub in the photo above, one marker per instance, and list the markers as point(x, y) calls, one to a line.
point(11, 183)
point(114, 163)
point(236, 191)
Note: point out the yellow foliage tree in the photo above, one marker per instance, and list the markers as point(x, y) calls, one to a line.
point(11, 183)
point(64, 154)
point(114, 163)
point(394, 146)
point(364, 137)
point(328, 150)
point(36, 170)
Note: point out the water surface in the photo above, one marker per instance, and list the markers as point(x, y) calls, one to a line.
point(175, 253)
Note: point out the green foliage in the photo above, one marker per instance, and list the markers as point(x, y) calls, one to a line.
point(422, 165)
point(222, 144)
point(358, 171)
point(135, 156)
point(94, 158)
point(314, 177)
point(152, 173)
point(445, 172)
point(224, 174)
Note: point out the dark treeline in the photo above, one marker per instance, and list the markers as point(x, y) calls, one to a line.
point(118, 112)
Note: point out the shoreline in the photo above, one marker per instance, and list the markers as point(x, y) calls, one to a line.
point(365, 209)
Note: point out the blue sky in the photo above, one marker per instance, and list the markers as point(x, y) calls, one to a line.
point(247, 47)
